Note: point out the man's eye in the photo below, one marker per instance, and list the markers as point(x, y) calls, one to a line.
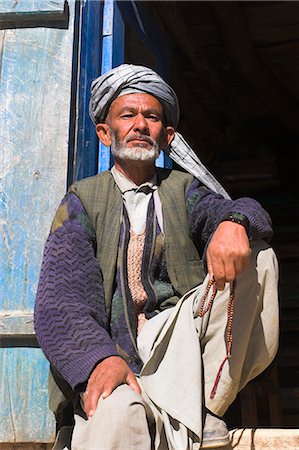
point(153, 117)
point(127, 116)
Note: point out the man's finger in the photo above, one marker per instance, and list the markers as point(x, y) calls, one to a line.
point(218, 272)
point(220, 283)
point(209, 265)
point(91, 402)
point(108, 391)
point(133, 383)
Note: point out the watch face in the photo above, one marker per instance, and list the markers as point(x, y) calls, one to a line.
point(238, 216)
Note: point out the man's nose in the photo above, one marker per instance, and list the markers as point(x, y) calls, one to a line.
point(140, 123)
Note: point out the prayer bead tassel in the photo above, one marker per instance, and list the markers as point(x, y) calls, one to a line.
point(230, 315)
point(229, 336)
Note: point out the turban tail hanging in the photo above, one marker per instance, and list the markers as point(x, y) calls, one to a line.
point(129, 78)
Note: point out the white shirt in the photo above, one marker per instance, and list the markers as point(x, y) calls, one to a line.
point(136, 198)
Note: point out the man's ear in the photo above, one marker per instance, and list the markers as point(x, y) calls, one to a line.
point(103, 132)
point(168, 137)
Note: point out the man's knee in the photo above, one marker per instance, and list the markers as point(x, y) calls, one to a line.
point(119, 422)
point(122, 406)
point(121, 399)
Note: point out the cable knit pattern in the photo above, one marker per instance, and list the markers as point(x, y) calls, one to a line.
point(135, 253)
point(70, 318)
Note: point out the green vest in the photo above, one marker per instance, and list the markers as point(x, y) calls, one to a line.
point(103, 202)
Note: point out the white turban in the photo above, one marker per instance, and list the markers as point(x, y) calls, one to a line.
point(128, 79)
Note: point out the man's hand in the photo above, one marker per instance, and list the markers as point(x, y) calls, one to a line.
point(106, 376)
point(228, 253)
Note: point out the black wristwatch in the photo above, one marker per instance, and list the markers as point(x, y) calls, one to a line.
point(237, 218)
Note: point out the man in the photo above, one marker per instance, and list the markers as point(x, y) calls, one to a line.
point(125, 311)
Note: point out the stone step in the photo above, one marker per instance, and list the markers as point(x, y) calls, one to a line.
point(264, 438)
point(241, 439)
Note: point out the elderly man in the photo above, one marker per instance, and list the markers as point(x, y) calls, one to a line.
point(156, 302)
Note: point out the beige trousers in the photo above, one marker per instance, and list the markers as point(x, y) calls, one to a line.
point(182, 354)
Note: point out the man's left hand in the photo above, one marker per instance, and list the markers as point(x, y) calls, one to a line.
point(105, 377)
point(228, 253)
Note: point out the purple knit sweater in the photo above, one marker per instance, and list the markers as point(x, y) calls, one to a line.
point(70, 320)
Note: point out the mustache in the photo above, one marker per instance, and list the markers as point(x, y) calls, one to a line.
point(140, 137)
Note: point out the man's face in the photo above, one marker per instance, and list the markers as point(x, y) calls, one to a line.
point(135, 129)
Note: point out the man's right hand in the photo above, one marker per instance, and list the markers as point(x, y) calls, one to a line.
point(106, 376)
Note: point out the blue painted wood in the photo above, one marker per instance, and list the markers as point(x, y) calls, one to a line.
point(113, 36)
point(112, 55)
point(33, 13)
point(35, 84)
point(86, 153)
point(24, 397)
point(31, 6)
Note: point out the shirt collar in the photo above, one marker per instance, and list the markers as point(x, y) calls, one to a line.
point(125, 184)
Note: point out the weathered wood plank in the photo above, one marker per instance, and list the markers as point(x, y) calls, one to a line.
point(23, 387)
point(31, 6)
point(34, 100)
point(35, 83)
point(16, 323)
point(26, 446)
point(30, 13)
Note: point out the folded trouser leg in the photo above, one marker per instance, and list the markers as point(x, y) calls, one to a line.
point(254, 330)
point(183, 355)
point(119, 422)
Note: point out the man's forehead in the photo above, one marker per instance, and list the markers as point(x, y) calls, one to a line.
point(131, 100)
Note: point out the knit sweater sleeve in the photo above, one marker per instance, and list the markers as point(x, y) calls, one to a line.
point(207, 209)
point(70, 318)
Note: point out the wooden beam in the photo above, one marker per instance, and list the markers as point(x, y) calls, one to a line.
point(16, 323)
point(26, 446)
point(238, 44)
point(29, 13)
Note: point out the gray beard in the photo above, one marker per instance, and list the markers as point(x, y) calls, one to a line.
point(137, 153)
